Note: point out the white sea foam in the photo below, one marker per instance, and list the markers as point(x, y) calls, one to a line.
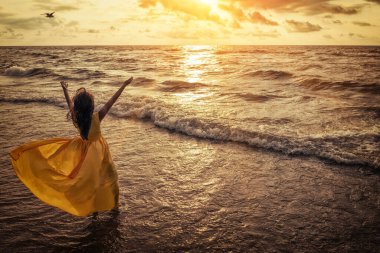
point(328, 147)
point(20, 71)
point(16, 71)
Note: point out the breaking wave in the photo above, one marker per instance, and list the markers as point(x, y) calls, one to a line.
point(178, 86)
point(247, 96)
point(333, 148)
point(20, 71)
point(319, 84)
point(337, 148)
point(270, 74)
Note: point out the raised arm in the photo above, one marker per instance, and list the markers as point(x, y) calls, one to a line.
point(68, 99)
point(103, 112)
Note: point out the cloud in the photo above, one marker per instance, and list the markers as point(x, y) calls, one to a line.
point(356, 35)
point(93, 31)
point(361, 23)
point(239, 16)
point(72, 23)
point(27, 23)
point(256, 17)
point(265, 34)
point(147, 30)
point(310, 7)
point(45, 1)
point(56, 8)
point(337, 22)
point(279, 5)
point(202, 11)
point(235, 11)
point(374, 1)
point(302, 27)
point(192, 34)
point(5, 15)
point(54, 5)
point(333, 9)
point(65, 8)
point(198, 10)
point(10, 34)
point(238, 11)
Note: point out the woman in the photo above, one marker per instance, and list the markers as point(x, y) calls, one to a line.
point(76, 175)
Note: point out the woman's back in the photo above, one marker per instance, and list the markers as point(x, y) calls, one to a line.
point(76, 175)
point(95, 131)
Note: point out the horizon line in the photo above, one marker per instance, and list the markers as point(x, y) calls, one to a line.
point(180, 45)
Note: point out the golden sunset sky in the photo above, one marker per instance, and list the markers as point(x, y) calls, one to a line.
point(178, 22)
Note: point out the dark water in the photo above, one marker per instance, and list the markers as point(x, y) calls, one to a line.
point(259, 149)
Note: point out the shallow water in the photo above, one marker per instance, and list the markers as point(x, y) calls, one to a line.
point(181, 193)
point(260, 179)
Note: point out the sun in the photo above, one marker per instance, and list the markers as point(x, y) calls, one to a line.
point(212, 3)
point(213, 7)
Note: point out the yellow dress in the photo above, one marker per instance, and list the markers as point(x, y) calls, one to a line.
point(75, 175)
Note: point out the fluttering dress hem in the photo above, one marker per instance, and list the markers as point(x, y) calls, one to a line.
point(76, 175)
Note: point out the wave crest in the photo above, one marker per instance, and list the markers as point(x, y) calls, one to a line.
point(20, 71)
point(318, 84)
point(178, 86)
point(345, 148)
point(270, 74)
point(333, 148)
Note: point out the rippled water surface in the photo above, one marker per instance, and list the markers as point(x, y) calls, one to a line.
point(263, 149)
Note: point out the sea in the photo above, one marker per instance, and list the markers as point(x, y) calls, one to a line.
point(218, 148)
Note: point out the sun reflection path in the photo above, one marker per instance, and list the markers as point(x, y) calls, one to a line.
point(197, 60)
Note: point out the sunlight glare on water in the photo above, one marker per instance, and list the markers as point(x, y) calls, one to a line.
point(194, 96)
point(196, 60)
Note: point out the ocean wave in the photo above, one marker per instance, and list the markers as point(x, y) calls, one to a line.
point(172, 49)
point(36, 54)
point(296, 52)
point(247, 96)
point(142, 81)
point(268, 120)
point(338, 53)
point(334, 148)
point(310, 66)
point(152, 69)
point(346, 148)
point(82, 74)
point(179, 86)
point(89, 73)
point(244, 51)
point(126, 60)
point(270, 74)
point(355, 53)
point(371, 111)
point(20, 71)
point(64, 60)
point(44, 100)
point(319, 84)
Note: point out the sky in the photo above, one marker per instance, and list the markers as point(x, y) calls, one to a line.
point(190, 22)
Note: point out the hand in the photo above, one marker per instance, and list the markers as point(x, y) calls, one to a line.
point(64, 85)
point(128, 81)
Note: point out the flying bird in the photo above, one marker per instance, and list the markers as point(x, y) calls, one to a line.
point(49, 15)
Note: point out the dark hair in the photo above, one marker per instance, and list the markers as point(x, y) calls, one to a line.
point(82, 111)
